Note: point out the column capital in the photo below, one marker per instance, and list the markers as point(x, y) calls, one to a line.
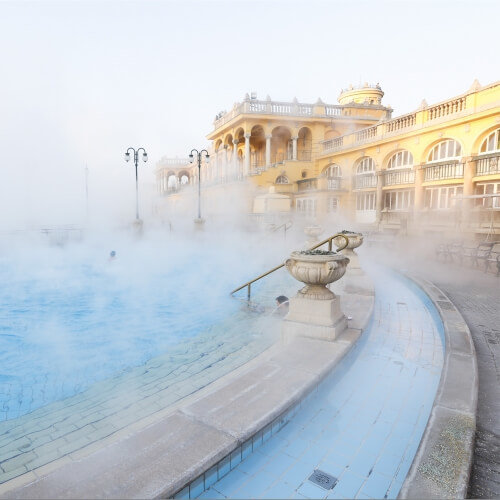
point(295, 137)
point(235, 141)
point(248, 135)
point(269, 136)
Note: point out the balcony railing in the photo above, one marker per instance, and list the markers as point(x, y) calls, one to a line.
point(394, 177)
point(423, 117)
point(366, 133)
point(333, 144)
point(334, 183)
point(486, 165)
point(279, 108)
point(446, 108)
point(307, 185)
point(437, 172)
point(365, 181)
point(401, 123)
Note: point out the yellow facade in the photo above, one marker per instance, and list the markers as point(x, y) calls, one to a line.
point(436, 169)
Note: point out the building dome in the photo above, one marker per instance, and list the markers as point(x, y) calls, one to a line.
point(364, 94)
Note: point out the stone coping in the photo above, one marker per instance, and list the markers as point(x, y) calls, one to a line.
point(443, 461)
point(158, 456)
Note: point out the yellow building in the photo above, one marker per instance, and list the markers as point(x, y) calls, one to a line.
point(435, 169)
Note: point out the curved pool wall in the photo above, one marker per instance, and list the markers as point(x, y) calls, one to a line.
point(90, 346)
point(364, 423)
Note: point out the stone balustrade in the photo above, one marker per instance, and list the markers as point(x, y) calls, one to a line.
point(365, 181)
point(401, 123)
point(395, 177)
point(278, 108)
point(487, 164)
point(449, 170)
point(446, 108)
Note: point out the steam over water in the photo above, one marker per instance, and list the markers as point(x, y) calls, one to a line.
point(70, 317)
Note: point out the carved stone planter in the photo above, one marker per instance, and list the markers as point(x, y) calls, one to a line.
point(312, 232)
point(355, 240)
point(316, 270)
point(315, 310)
point(355, 280)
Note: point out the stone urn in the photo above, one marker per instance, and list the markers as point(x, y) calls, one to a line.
point(315, 311)
point(312, 232)
point(355, 240)
point(316, 268)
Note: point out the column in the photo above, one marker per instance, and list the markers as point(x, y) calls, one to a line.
point(225, 169)
point(419, 200)
point(268, 150)
point(247, 153)
point(468, 205)
point(379, 201)
point(294, 147)
point(235, 159)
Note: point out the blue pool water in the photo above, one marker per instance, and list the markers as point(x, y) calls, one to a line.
point(364, 423)
point(70, 318)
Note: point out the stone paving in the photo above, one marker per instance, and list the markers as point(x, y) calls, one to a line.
point(364, 424)
point(66, 426)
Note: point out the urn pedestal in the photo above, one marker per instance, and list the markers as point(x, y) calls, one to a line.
point(315, 310)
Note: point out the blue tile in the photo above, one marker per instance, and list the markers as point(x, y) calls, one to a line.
point(310, 490)
point(394, 489)
point(236, 457)
point(210, 476)
point(211, 494)
point(197, 487)
point(280, 490)
point(348, 486)
point(297, 474)
point(230, 483)
point(376, 485)
point(278, 464)
point(223, 467)
point(297, 447)
point(266, 433)
point(253, 463)
point(388, 464)
point(257, 441)
point(183, 494)
point(246, 448)
point(255, 486)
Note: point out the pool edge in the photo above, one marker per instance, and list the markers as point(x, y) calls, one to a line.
point(442, 465)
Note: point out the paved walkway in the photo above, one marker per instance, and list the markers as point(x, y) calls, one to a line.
point(364, 424)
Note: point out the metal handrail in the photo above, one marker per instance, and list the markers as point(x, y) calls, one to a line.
point(329, 240)
point(286, 226)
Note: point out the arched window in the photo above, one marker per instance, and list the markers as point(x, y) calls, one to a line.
point(492, 143)
point(365, 166)
point(332, 171)
point(282, 179)
point(401, 159)
point(445, 150)
point(184, 179)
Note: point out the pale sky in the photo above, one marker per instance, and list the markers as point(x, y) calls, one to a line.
point(81, 81)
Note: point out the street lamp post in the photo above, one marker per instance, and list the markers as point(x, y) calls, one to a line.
point(199, 155)
point(136, 161)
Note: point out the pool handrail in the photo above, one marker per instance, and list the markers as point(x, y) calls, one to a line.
point(328, 240)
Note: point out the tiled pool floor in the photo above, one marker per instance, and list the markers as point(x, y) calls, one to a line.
point(364, 423)
point(66, 426)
